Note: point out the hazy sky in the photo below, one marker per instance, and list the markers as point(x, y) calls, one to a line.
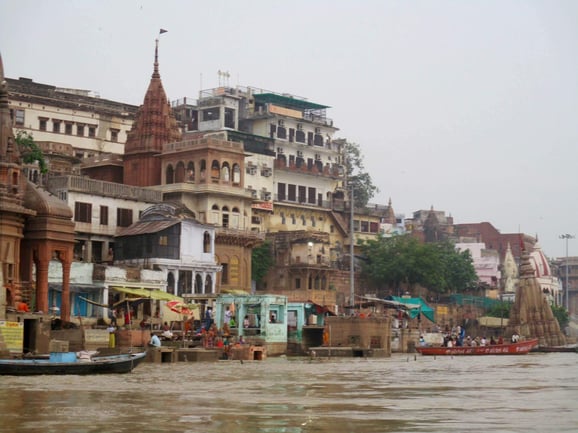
point(467, 106)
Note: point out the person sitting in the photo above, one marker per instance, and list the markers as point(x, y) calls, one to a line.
point(155, 341)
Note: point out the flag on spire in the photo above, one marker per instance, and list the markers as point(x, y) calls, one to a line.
point(162, 31)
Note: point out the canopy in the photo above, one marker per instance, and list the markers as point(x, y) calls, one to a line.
point(415, 306)
point(157, 295)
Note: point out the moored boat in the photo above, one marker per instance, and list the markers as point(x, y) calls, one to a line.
point(519, 348)
point(70, 363)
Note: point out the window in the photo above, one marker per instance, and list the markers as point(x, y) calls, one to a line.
point(206, 242)
point(19, 117)
point(300, 136)
point(281, 191)
point(211, 114)
point(92, 131)
point(104, 215)
point(291, 192)
point(297, 283)
point(123, 217)
point(68, 128)
point(42, 124)
point(365, 226)
point(163, 240)
point(114, 135)
point(281, 133)
point(82, 212)
point(225, 273)
point(311, 193)
point(56, 126)
point(80, 130)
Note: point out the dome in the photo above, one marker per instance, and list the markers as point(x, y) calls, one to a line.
point(540, 262)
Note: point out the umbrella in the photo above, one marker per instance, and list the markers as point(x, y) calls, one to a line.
point(180, 307)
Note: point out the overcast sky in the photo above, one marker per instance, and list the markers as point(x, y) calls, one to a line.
point(467, 106)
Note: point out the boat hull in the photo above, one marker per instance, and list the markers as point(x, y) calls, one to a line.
point(116, 364)
point(520, 348)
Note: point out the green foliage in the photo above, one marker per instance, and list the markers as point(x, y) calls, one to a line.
point(390, 262)
point(561, 316)
point(30, 151)
point(500, 309)
point(363, 187)
point(261, 261)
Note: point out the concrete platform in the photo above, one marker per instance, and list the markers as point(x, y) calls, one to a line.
point(347, 352)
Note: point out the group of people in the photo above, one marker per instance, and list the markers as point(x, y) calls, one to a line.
point(456, 337)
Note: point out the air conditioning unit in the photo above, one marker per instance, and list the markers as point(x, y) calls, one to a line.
point(317, 157)
point(267, 196)
point(318, 130)
point(300, 154)
point(281, 122)
point(279, 150)
point(251, 170)
point(266, 172)
point(299, 126)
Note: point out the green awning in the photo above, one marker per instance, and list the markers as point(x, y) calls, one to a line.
point(157, 295)
point(288, 102)
point(415, 306)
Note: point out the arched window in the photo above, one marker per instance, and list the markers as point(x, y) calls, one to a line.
point(209, 284)
point(171, 283)
point(198, 284)
point(169, 175)
point(303, 220)
point(180, 172)
point(215, 170)
point(206, 242)
point(226, 172)
point(203, 169)
point(283, 219)
point(236, 174)
point(225, 216)
point(191, 171)
point(313, 221)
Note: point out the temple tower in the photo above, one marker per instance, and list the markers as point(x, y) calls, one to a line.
point(154, 126)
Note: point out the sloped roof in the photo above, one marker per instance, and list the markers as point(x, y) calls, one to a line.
point(145, 227)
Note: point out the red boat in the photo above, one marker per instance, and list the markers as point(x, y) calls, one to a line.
point(519, 348)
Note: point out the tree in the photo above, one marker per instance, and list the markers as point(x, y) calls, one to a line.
point(390, 262)
point(363, 187)
point(261, 261)
point(561, 315)
point(30, 151)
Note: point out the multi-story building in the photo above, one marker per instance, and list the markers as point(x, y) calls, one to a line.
point(89, 124)
point(100, 210)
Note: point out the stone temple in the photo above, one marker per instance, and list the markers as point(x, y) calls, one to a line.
point(531, 315)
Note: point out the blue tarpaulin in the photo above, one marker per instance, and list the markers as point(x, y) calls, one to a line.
point(415, 306)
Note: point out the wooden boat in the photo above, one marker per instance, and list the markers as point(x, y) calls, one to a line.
point(70, 363)
point(519, 348)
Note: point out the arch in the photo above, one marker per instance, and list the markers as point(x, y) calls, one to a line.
point(180, 172)
point(198, 284)
point(203, 169)
point(226, 172)
point(215, 207)
point(225, 216)
point(236, 174)
point(215, 170)
point(236, 209)
point(169, 175)
point(206, 242)
point(209, 284)
point(191, 171)
point(171, 283)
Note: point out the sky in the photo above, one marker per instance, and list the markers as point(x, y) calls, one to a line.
point(467, 106)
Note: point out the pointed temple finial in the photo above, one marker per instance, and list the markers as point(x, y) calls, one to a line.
point(156, 64)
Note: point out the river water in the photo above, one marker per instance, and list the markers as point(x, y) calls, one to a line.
point(404, 393)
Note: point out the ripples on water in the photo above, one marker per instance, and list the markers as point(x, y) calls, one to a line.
point(404, 393)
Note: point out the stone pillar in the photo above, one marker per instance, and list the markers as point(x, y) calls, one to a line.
point(42, 284)
point(65, 302)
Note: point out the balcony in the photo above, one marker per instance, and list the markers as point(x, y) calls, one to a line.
point(334, 171)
